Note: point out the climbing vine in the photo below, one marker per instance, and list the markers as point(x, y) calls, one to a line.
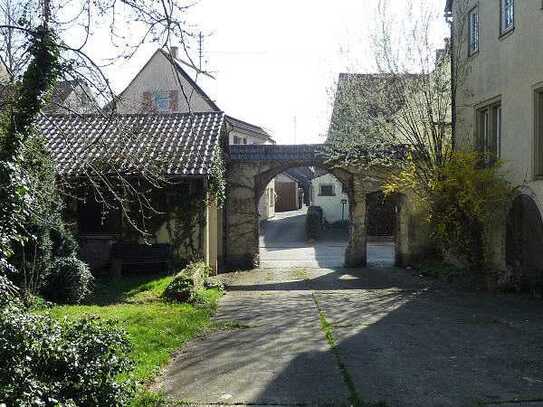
point(178, 210)
point(24, 197)
point(217, 178)
point(186, 220)
point(363, 154)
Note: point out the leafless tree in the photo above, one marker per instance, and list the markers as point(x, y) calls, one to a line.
point(409, 99)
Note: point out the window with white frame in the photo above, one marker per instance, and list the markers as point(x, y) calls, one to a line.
point(507, 12)
point(473, 31)
point(489, 125)
point(240, 140)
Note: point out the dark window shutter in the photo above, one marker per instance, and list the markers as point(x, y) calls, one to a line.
point(147, 102)
point(174, 94)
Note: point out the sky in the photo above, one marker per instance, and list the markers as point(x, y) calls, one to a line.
point(276, 62)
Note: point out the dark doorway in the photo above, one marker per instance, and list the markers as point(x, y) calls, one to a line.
point(381, 227)
point(524, 243)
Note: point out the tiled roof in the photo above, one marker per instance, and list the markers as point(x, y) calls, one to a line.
point(271, 152)
point(178, 144)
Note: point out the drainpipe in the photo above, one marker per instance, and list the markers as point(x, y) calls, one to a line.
point(450, 21)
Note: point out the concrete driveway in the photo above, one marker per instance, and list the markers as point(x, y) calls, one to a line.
point(283, 244)
point(346, 337)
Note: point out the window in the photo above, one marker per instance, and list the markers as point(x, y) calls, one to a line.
point(161, 101)
point(489, 123)
point(326, 190)
point(473, 31)
point(539, 133)
point(240, 140)
point(507, 13)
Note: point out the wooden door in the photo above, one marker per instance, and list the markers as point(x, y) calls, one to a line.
point(286, 196)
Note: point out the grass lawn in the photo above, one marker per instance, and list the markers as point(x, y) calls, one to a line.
point(155, 328)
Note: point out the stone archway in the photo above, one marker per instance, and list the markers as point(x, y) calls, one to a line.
point(251, 168)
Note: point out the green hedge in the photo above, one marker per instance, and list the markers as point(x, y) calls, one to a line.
point(70, 363)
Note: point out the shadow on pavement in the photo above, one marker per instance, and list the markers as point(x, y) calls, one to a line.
point(431, 347)
point(283, 244)
point(401, 339)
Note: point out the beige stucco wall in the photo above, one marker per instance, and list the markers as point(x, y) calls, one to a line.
point(251, 138)
point(332, 207)
point(507, 69)
point(159, 75)
point(266, 203)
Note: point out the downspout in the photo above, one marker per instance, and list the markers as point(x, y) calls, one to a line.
point(449, 19)
point(225, 143)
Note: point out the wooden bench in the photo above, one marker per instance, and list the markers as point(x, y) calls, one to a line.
point(138, 254)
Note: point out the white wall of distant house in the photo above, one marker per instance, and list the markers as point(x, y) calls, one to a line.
point(332, 207)
point(266, 203)
point(238, 137)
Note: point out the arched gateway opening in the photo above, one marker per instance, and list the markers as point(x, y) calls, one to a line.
point(291, 201)
point(524, 247)
point(250, 170)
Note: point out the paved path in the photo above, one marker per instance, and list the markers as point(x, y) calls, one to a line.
point(283, 244)
point(399, 339)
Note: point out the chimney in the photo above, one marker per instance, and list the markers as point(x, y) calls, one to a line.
point(173, 52)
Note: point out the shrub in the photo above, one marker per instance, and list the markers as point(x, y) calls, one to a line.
point(68, 280)
point(461, 197)
point(47, 363)
point(64, 243)
point(8, 291)
point(214, 282)
point(188, 285)
point(466, 198)
point(313, 222)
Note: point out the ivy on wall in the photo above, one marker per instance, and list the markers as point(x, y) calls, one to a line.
point(179, 208)
point(217, 178)
point(364, 154)
point(29, 209)
point(185, 221)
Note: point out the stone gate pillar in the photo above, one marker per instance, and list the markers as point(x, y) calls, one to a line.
point(241, 238)
point(355, 255)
